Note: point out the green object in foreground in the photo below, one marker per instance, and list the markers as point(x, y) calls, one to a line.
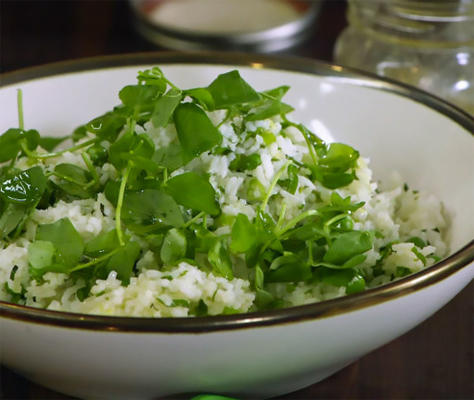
point(212, 397)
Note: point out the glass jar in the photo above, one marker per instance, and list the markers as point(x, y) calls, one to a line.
point(429, 44)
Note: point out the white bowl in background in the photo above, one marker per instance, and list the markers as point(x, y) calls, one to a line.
point(265, 353)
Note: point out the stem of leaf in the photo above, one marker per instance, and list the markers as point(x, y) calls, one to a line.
point(226, 118)
point(194, 219)
point(273, 184)
point(91, 168)
point(33, 154)
point(13, 161)
point(95, 261)
point(118, 211)
point(19, 99)
point(309, 244)
point(67, 178)
point(280, 217)
point(293, 222)
point(306, 134)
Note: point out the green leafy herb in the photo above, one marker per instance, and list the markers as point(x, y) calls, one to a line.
point(165, 106)
point(74, 180)
point(141, 98)
point(12, 216)
point(290, 184)
point(66, 240)
point(11, 142)
point(107, 126)
point(348, 245)
point(400, 272)
point(211, 397)
point(243, 162)
point(244, 235)
point(170, 157)
point(193, 191)
point(123, 261)
point(50, 143)
point(150, 207)
point(219, 258)
point(230, 89)
point(166, 204)
point(196, 132)
point(174, 247)
point(25, 187)
point(102, 244)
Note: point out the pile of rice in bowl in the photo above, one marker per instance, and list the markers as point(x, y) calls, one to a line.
point(199, 202)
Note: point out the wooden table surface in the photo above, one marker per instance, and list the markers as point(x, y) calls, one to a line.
point(433, 361)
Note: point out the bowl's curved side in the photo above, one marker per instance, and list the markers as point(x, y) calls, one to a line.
point(256, 362)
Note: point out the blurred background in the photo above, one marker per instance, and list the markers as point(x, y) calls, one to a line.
point(429, 44)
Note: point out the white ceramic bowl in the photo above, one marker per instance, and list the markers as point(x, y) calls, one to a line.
point(267, 353)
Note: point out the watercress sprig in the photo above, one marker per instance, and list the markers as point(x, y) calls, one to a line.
point(175, 212)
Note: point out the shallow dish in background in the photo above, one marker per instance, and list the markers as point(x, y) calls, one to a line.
point(245, 25)
point(270, 352)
